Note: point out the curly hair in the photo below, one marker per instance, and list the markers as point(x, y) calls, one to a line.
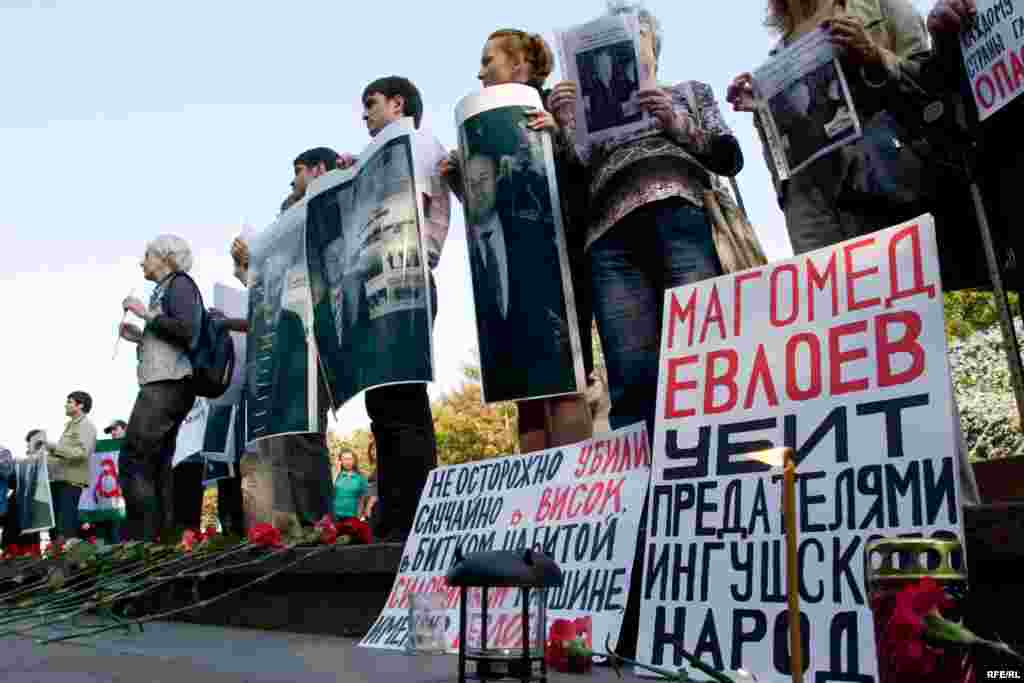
point(531, 48)
point(783, 15)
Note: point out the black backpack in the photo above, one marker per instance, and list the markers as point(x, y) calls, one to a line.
point(212, 354)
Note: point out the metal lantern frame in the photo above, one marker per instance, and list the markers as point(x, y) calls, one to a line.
point(527, 570)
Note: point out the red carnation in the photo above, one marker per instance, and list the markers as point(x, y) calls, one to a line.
point(266, 535)
point(189, 539)
point(357, 530)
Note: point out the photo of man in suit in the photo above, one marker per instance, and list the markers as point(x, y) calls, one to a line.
point(606, 87)
point(521, 320)
point(811, 114)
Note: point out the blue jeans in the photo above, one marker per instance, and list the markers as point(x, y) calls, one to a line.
point(661, 245)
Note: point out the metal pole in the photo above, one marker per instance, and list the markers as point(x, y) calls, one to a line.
point(1010, 342)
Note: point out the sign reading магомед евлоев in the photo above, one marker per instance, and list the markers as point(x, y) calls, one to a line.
point(993, 54)
point(580, 504)
point(841, 355)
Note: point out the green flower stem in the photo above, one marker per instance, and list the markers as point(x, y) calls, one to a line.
point(102, 581)
point(201, 604)
point(130, 592)
point(673, 675)
point(941, 629)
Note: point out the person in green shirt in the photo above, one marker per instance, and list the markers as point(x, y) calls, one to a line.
point(349, 487)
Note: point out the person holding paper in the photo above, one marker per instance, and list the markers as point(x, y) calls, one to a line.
point(647, 230)
point(173, 318)
point(515, 56)
point(883, 44)
point(1000, 156)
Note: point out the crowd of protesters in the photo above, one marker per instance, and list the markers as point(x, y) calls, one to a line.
point(635, 225)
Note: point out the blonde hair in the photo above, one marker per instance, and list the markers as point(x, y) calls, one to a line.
point(784, 15)
point(531, 48)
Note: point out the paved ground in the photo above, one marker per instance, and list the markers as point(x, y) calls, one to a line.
point(185, 653)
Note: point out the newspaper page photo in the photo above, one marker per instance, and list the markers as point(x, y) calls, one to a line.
point(805, 103)
point(281, 364)
point(368, 262)
point(603, 58)
point(525, 313)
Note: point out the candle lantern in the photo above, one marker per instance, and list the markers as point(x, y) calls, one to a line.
point(892, 564)
point(502, 613)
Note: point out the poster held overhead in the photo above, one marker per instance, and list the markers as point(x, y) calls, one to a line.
point(603, 57)
point(804, 103)
point(525, 312)
point(992, 55)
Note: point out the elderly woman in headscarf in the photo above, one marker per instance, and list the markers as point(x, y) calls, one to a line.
point(646, 227)
point(172, 325)
point(839, 196)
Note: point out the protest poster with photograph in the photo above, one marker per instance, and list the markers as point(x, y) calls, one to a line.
point(192, 432)
point(525, 313)
point(102, 500)
point(804, 103)
point(841, 355)
point(993, 55)
point(367, 258)
point(603, 58)
point(578, 504)
point(281, 365)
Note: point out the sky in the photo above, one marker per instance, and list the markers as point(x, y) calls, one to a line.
point(124, 120)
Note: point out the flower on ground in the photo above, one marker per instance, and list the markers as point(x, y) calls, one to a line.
point(357, 530)
point(328, 532)
point(567, 638)
point(265, 535)
point(189, 539)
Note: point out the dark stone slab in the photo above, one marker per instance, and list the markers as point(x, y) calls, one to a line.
point(339, 592)
point(1000, 480)
point(995, 555)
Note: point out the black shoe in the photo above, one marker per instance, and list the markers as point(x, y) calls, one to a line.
point(393, 536)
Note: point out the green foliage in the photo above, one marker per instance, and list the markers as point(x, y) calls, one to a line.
point(971, 310)
point(468, 430)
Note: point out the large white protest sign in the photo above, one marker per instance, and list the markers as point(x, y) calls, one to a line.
point(190, 435)
point(993, 54)
point(840, 354)
point(102, 500)
point(580, 504)
point(804, 103)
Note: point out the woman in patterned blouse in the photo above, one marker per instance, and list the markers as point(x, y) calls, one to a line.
point(646, 229)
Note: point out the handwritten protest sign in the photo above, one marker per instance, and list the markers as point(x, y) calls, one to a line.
point(840, 354)
point(580, 504)
point(993, 54)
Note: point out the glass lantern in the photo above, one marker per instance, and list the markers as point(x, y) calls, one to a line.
point(503, 613)
point(892, 564)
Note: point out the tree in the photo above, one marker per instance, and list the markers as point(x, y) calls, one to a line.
point(971, 310)
point(467, 430)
